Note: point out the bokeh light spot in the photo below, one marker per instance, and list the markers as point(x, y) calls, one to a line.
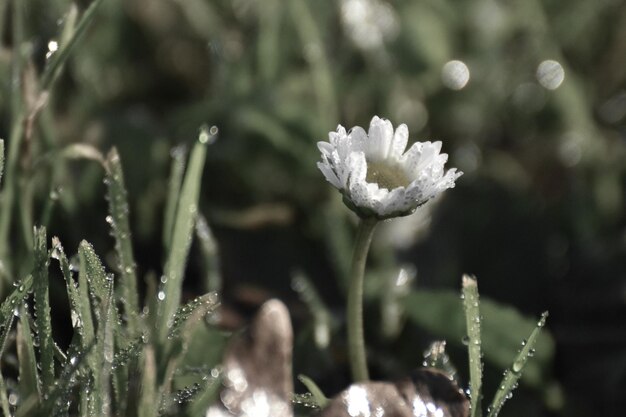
point(550, 74)
point(455, 75)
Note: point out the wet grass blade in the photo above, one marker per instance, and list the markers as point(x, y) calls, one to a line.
point(61, 56)
point(86, 321)
point(42, 308)
point(29, 383)
point(57, 403)
point(73, 294)
point(208, 395)
point(512, 376)
point(118, 219)
point(193, 311)
point(320, 399)
point(176, 179)
point(8, 306)
point(105, 350)
point(128, 354)
point(472, 321)
point(182, 233)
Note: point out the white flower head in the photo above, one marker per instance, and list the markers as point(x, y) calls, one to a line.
point(376, 176)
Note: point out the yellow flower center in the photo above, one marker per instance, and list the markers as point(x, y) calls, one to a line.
point(386, 175)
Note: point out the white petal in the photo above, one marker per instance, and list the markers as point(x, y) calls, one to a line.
point(358, 139)
point(330, 175)
point(419, 157)
point(336, 136)
point(398, 144)
point(359, 194)
point(410, 160)
point(356, 166)
point(393, 201)
point(380, 134)
point(325, 148)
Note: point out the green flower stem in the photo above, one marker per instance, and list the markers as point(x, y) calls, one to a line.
point(356, 342)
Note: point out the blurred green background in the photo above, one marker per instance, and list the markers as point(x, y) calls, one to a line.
point(528, 97)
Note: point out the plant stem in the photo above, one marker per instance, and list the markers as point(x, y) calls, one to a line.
point(356, 342)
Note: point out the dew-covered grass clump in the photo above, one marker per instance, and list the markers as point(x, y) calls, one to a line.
point(188, 229)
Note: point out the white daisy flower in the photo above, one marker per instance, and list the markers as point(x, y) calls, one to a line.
point(376, 176)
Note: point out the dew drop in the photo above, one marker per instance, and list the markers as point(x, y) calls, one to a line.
point(208, 135)
point(161, 295)
point(53, 46)
point(465, 340)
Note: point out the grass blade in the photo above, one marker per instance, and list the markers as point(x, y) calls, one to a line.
point(472, 320)
point(192, 311)
point(29, 383)
point(320, 399)
point(86, 321)
point(118, 219)
point(149, 401)
point(182, 233)
point(322, 319)
point(1, 159)
point(42, 307)
point(61, 56)
point(4, 400)
point(441, 313)
point(106, 349)
point(73, 294)
point(176, 179)
point(8, 306)
point(210, 255)
point(512, 376)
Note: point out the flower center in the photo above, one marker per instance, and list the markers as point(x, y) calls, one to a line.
point(386, 175)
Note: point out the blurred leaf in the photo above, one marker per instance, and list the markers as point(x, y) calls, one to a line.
point(210, 255)
point(149, 401)
point(503, 327)
point(61, 56)
point(4, 400)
